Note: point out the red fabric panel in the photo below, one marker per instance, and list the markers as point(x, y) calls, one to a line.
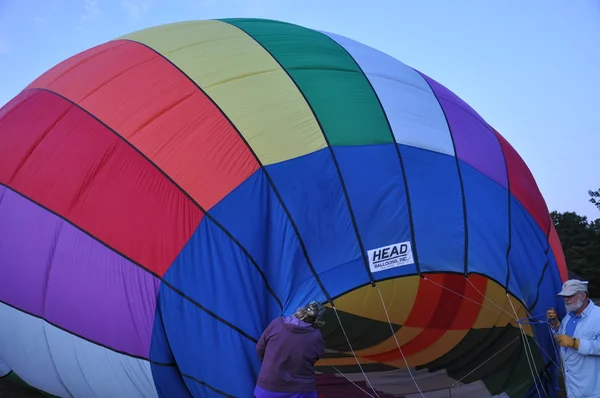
point(153, 105)
point(523, 185)
point(426, 338)
point(559, 255)
point(440, 310)
point(427, 299)
point(425, 304)
point(471, 304)
point(449, 303)
point(59, 156)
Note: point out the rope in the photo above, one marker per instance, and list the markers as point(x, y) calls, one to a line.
point(528, 351)
point(357, 386)
point(483, 363)
point(352, 349)
point(491, 301)
point(397, 343)
point(560, 367)
point(470, 299)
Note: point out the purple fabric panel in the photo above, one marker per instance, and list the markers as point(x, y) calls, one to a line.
point(53, 270)
point(475, 142)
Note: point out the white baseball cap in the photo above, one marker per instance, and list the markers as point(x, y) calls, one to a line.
point(572, 287)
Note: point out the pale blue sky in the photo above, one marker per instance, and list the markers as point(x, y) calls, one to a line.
point(531, 68)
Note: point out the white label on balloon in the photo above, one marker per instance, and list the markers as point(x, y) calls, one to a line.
point(392, 256)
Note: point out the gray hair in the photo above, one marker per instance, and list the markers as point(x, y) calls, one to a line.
point(313, 313)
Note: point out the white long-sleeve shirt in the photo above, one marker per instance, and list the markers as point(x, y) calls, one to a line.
point(582, 366)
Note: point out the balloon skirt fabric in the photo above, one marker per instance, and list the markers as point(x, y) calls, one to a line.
point(166, 194)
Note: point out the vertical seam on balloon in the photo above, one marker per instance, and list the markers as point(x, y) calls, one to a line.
point(207, 385)
point(164, 331)
point(400, 158)
point(509, 247)
point(187, 195)
point(460, 177)
point(262, 167)
point(335, 162)
point(186, 297)
point(546, 265)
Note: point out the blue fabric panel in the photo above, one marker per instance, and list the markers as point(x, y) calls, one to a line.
point(201, 390)
point(169, 382)
point(437, 209)
point(254, 216)
point(550, 285)
point(207, 349)
point(375, 185)
point(167, 379)
point(214, 272)
point(312, 191)
point(527, 255)
point(487, 211)
point(547, 298)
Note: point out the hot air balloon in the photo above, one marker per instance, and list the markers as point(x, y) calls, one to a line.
point(166, 194)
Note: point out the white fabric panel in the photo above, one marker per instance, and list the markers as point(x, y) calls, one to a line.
point(64, 365)
point(4, 368)
point(412, 109)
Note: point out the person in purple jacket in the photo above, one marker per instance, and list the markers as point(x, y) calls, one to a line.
point(289, 348)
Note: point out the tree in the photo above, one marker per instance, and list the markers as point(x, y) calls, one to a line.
point(580, 240)
point(595, 197)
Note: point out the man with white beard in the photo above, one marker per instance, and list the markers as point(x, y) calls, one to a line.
point(578, 336)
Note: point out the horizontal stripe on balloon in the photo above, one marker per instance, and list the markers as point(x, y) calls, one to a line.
point(65, 365)
point(53, 270)
point(58, 155)
point(150, 103)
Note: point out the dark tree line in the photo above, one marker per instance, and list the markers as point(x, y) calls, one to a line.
point(580, 239)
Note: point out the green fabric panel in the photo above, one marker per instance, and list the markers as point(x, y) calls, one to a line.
point(13, 378)
point(362, 332)
point(475, 348)
point(337, 90)
point(514, 377)
point(507, 372)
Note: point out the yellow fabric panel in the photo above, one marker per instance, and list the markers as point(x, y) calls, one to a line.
point(490, 315)
point(403, 335)
point(443, 345)
point(398, 296)
point(342, 361)
point(244, 81)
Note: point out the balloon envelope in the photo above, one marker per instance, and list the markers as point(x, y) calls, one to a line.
point(166, 194)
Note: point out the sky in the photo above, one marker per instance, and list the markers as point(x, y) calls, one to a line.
point(529, 68)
